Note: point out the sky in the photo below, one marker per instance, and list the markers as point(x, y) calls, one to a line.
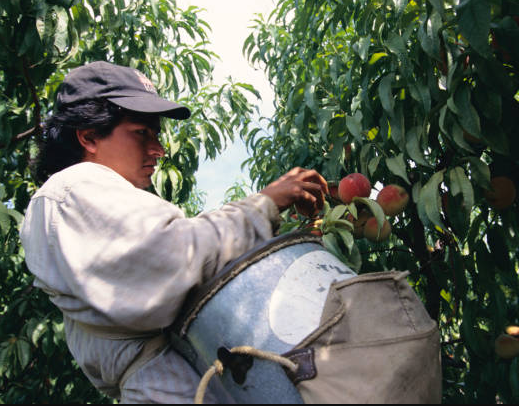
point(230, 21)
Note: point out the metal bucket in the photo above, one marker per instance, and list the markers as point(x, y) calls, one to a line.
point(270, 299)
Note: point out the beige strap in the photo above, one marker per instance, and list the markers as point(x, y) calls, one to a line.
point(151, 348)
point(156, 342)
point(218, 368)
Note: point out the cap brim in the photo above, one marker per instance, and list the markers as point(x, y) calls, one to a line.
point(152, 105)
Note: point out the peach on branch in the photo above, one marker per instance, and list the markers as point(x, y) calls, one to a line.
point(354, 185)
point(359, 223)
point(502, 193)
point(513, 331)
point(393, 199)
point(371, 230)
point(507, 346)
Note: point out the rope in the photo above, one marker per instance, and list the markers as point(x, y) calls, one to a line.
point(218, 368)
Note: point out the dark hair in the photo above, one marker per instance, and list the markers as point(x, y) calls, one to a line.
point(59, 147)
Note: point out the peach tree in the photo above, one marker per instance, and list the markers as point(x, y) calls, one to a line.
point(40, 41)
point(423, 95)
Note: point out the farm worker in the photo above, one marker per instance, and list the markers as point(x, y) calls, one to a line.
point(118, 260)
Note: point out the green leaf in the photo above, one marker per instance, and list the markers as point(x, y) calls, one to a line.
point(375, 208)
point(398, 167)
point(479, 171)
point(428, 35)
point(5, 219)
point(417, 188)
point(457, 134)
point(342, 224)
point(310, 98)
point(414, 148)
point(396, 44)
point(430, 201)
point(337, 213)
point(5, 353)
point(354, 125)
point(347, 238)
point(38, 332)
point(23, 352)
point(474, 23)
point(331, 244)
point(362, 47)
point(61, 36)
point(438, 5)
point(397, 125)
point(460, 183)
point(376, 57)
point(373, 164)
point(386, 94)
point(420, 92)
point(352, 208)
point(467, 114)
point(354, 260)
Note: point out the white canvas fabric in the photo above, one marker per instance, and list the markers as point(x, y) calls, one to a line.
point(111, 255)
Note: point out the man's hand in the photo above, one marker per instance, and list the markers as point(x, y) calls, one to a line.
point(302, 187)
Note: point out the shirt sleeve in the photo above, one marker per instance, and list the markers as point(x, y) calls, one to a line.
point(133, 257)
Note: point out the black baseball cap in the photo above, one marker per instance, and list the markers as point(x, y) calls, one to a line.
point(125, 87)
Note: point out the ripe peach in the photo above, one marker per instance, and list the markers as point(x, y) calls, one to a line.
point(393, 199)
point(506, 346)
point(359, 223)
point(371, 230)
point(513, 331)
point(503, 193)
point(354, 185)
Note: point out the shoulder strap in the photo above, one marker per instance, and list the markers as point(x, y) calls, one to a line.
point(151, 348)
point(156, 341)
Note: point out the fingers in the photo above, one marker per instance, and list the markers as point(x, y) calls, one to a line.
point(309, 199)
point(303, 187)
point(307, 204)
point(308, 175)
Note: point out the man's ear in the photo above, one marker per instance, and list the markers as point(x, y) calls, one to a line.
point(88, 140)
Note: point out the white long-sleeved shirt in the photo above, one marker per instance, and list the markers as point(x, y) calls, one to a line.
point(112, 255)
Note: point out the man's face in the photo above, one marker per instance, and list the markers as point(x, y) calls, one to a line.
point(132, 150)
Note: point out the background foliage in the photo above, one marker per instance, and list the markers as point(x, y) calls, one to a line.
point(404, 83)
point(425, 94)
point(40, 41)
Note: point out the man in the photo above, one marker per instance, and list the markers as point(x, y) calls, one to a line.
point(117, 260)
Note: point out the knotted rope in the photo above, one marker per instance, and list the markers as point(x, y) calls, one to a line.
point(218, 368)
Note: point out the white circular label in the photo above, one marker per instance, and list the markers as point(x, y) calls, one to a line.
point(297, 303)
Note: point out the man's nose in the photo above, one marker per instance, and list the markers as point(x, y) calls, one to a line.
point(156, 149)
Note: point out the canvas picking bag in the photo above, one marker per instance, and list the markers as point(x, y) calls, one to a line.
point(377, 344)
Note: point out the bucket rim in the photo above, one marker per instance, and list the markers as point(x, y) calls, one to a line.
point(197, 299)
